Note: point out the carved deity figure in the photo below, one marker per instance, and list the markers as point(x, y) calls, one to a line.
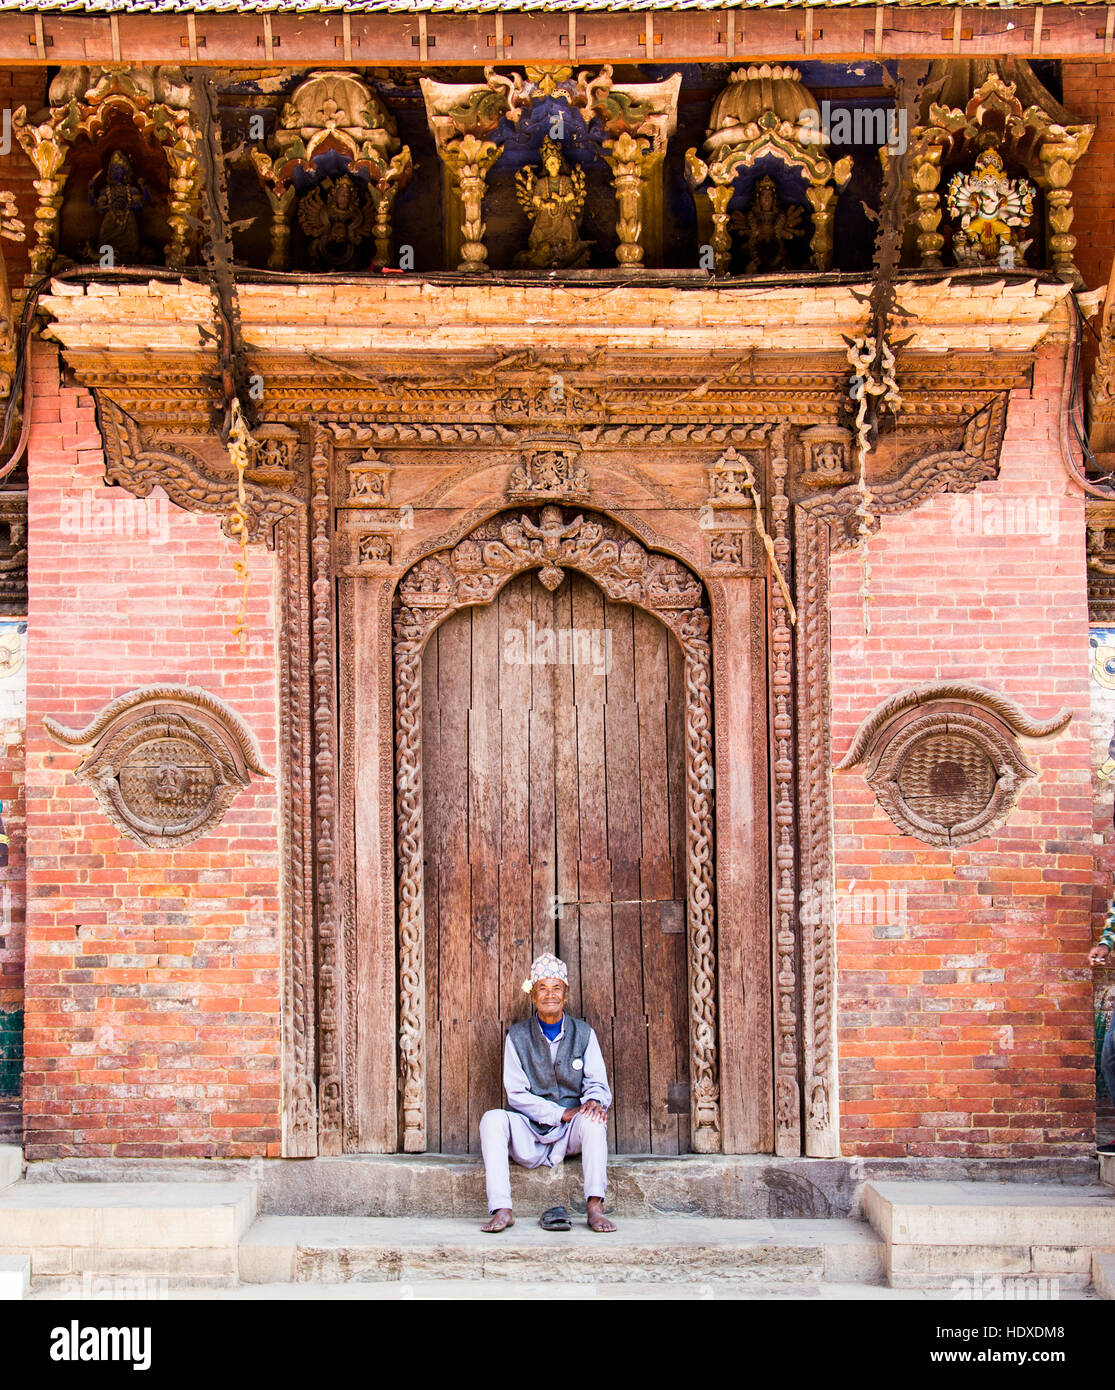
point(767, 227)
point(993, 211)
point(554, 201)
point(118, 202)
point(337, 222)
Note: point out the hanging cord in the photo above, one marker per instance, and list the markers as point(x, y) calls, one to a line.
point(241, 447)
point(873, 389)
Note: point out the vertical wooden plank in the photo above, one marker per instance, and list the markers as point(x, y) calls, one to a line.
point(454, 883)
point(485, 787)
point(515, 888)
point(431, 838)
point(676, 770)
point(663, 951)
point(567, 802)
point(621, 724)
point(742, 882)
point(594, 870)
point(543, 830)
point(374, 847)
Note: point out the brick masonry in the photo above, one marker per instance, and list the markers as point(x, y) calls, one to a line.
point(152, 982)
point(964, 995)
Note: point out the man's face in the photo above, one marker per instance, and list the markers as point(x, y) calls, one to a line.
point(549, 996)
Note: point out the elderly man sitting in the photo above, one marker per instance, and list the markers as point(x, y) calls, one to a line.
point(558, 1094)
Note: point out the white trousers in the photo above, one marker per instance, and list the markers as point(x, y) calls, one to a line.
point(505, 1134)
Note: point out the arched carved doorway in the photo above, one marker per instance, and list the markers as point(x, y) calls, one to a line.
point(488, 917)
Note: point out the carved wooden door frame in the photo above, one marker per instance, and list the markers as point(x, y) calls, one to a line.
point(472, 573)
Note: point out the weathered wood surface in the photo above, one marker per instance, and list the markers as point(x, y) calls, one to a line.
point(554, 820)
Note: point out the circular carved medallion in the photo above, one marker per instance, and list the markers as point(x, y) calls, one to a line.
point(164, 761)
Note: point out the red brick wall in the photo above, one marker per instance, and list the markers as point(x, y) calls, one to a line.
point(153, 1015)
point(964, 996)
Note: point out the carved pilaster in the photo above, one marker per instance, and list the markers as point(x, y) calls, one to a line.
point(330, 952)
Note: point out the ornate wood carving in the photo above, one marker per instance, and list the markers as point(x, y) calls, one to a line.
point(820, 523)
point(549, 469)
point(1001, 104)
point(13, 552)
point(338, 113)
point(765, 113)
point(472, 572)
point(297, 861)
point(164, 761)
point(88, 101)
point(331, 968)
point(787, 1092)
point(942, 759)
point(189, 481)
point(1100, 516)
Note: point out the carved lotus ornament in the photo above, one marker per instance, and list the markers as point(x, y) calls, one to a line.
point(165, 762)
point(944, 761)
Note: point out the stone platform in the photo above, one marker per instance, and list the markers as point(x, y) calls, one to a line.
point(937, 1231)
point(735, 1226)
point(753, 1187)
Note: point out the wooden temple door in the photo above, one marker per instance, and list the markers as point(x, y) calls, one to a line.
point(553, 753)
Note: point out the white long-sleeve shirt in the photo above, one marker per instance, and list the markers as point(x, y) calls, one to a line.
point(594, 1082)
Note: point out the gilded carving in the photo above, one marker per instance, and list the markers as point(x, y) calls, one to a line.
point(334, 113)
point(765, 112)
point(996, 109)
point(91, 101)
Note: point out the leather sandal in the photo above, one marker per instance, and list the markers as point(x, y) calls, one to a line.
point(556, 1219)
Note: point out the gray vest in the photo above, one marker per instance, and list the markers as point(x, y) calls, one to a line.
point(559, 1080)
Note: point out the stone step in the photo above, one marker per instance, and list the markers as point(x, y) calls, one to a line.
point(182, 1231)
point(11, 1164)
point(15, 1277)
point(689, 1250)
point(938, 1233)
point(1107, 1169)
point(1103, 1273)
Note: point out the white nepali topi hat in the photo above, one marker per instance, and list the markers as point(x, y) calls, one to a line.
point(546, 967)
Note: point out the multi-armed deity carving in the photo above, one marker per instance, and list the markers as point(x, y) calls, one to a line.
point(122, 113)
point(345, 200)
point(767, 227)
point(554, 200)
point(636, 119)
point(993, 211)
point(764, 113)
point(994, 115)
